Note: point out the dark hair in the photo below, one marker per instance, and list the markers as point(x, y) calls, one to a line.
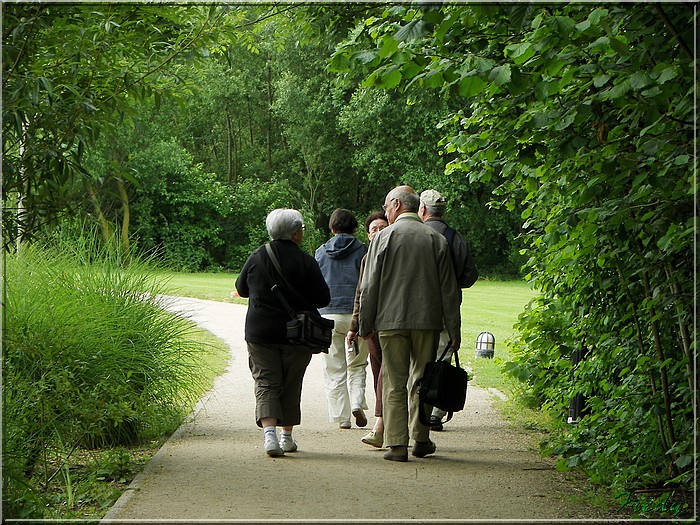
point(373, 217)
point(342, 221)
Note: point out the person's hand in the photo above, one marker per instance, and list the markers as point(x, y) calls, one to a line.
point(350, 338)
point(455, 344)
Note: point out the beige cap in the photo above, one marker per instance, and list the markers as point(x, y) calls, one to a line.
point(432, 198)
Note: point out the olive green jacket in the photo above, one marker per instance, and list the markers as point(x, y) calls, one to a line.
point(408, 281)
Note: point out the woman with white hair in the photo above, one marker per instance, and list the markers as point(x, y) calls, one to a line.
point(277, 366)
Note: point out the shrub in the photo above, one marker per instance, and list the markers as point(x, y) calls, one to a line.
point(90, 359)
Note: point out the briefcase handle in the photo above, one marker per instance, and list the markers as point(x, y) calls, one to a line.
point(456, 354)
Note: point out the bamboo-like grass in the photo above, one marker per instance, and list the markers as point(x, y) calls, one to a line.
point(90, 360)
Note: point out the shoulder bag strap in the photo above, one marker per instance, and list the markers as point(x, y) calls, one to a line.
point(275, 289)
point(276, 263)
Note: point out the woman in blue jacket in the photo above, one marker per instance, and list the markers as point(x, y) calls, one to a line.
point(345, 373)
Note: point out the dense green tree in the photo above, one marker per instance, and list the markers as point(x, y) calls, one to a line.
point(582, 115)
point(244, 89)
point(70, 73)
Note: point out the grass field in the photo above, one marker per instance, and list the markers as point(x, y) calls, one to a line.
point(491, 306)
point(488, 306)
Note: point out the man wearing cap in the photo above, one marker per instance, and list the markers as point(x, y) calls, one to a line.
point(431, 211)
point(408, 293)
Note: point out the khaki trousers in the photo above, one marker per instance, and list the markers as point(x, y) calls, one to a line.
point(404, 356)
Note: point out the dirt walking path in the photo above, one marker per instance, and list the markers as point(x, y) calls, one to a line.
point(214, 466)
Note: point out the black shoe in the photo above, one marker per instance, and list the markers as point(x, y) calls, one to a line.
point(423, 448)
point(398, 453)
point(360, 418)
point(435, 423)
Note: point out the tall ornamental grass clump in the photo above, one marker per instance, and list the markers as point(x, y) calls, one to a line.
point(89, 360)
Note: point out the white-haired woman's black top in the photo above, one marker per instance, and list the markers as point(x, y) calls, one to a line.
point(266, 318)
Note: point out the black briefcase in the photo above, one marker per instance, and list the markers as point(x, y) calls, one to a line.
point(444, 386)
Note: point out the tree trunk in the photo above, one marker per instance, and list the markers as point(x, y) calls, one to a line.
point(105, 227)
point(22, 193)
point(683, 331)
point(126, 215)
point(640, 343)
point(665, 390)
point(269, 119)
point(250, 120)
point(230, 176)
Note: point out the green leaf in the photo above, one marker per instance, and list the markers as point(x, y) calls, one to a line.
point(541, 90)
point(668, 73)
point(619, 46)
point(520, 53)
point(583, 26)
point(413, 30)
point(600, 43)
point(618, 90)
point(434, 79)
point(562, 25)
point(566, 121)
point(597, 15)
point(410, 70)
point(600, 80)
point(389, 46)
point(471, 86)
point(654, 91)
point(639, 80)
point(500, 75)
point(390, 80)
point(364, 57)
point(555, 66)
point(684, 461)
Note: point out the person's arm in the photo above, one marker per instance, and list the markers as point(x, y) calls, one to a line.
point(351, 336)
point(242, 281)
point(369, 288)
point(451, 296)
point(318, 293)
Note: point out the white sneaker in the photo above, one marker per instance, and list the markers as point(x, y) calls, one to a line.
point(288, 444)
point(272, 446)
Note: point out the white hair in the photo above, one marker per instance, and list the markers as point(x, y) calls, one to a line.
point(282, 222)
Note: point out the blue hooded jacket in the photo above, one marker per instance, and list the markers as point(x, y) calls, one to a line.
point(339, 260)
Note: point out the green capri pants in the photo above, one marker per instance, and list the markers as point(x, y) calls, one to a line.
point(278, 371)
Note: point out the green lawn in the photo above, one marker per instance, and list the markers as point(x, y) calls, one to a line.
point(491, 306)
point(488, 306)
point(211, 286)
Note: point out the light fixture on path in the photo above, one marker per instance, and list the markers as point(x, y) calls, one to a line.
point(485, 344)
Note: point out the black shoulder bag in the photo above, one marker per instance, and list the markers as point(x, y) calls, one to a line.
point(443, 385)
point(306, 327)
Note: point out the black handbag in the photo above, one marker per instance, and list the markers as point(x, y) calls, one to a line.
point(306, 327)
point(309, 329)
point(443, 385)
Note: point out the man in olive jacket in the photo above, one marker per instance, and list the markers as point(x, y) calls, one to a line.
point(408, 293)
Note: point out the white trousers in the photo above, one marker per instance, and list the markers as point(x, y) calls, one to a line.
point(345, 374)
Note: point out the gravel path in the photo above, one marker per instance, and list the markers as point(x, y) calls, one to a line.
point(214, 467)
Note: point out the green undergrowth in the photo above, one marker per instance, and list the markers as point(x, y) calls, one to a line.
point(95, 375)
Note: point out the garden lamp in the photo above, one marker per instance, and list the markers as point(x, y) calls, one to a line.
point(485, 344)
